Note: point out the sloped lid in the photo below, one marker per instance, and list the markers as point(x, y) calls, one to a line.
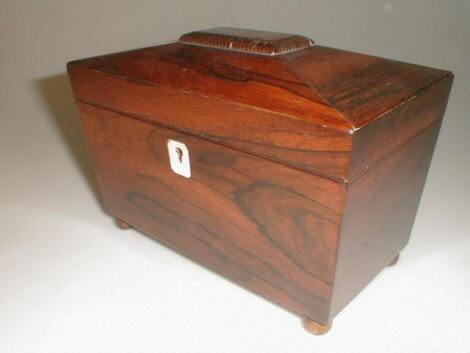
point(335, 90)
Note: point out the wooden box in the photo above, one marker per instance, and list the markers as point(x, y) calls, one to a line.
point(288, 167)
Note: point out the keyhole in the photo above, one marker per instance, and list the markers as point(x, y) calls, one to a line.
point(179, 152)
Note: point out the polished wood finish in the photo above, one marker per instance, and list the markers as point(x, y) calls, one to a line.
point(303, 109)
point(248, 41)
point(379, 138)
point(315, 328)
point(267, 226)
point(378, 216)
point(272, 135)
point(306, 167)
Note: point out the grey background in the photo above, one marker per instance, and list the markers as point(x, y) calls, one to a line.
point(71, 282)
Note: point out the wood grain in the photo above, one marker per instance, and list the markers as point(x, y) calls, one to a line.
point(379, 213)
point(363, 88)
point(304, 109)
point(271, 135)
point(383, 136)
point(267, 226)
point(306, 167)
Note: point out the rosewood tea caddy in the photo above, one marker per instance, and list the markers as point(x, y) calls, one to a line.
point(288, 167)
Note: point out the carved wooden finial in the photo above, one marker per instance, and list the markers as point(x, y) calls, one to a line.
point(248, 41)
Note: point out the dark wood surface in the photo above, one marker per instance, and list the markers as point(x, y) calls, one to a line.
point(378, 215)
point(248, 41)
point(303, 109)
point(271, 135)
point(266, 226)
point(383, 136)
point(362, 88)
point(307, 168)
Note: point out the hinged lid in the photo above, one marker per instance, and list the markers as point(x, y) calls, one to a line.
point(323, 110)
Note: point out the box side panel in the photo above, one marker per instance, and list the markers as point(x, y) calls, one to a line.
point(287, 139)
point(379, 212)
point(266, 226)
point(386, 134)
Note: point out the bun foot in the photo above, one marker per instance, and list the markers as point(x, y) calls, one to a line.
point(121, 224)
point(314, 327)
point(394, 261)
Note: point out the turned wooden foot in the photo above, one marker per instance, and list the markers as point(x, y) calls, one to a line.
point(394, 261)
point(121, 224)
point(314, 327)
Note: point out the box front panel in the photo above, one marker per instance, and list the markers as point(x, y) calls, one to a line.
point(291, 140)
point(264, 225)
